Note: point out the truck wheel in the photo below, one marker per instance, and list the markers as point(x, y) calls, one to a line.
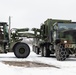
point(21, 50)
point(61, 53)
point(33, 47)
point(46, 52)
point(67, 53)
point(41, 49)
point(37, 50)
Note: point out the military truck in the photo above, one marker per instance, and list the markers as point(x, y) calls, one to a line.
point(55, 37)
point(10, 40)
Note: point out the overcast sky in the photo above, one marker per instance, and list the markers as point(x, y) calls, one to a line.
point(31, 13)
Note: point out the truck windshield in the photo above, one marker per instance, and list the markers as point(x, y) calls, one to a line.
point(67, 31)
point(66, 26)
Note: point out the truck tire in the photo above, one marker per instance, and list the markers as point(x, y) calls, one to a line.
point(37, 50)
point(33, 47)
point(41, 49)
point(21, 50)
point(46, 52)
point(60, 53)
point(67, 53)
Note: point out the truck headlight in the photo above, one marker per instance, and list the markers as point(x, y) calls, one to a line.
point(65, 41)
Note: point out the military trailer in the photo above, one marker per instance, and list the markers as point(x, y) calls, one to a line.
point(55, 37)
point(10, 41)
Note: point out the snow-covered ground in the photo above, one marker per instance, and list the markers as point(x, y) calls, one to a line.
point(67, 67)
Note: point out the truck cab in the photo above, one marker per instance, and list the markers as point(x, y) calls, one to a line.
point(4, 36)
point(64, 39)
point(65, 31)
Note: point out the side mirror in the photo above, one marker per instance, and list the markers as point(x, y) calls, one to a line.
point(55, 27)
